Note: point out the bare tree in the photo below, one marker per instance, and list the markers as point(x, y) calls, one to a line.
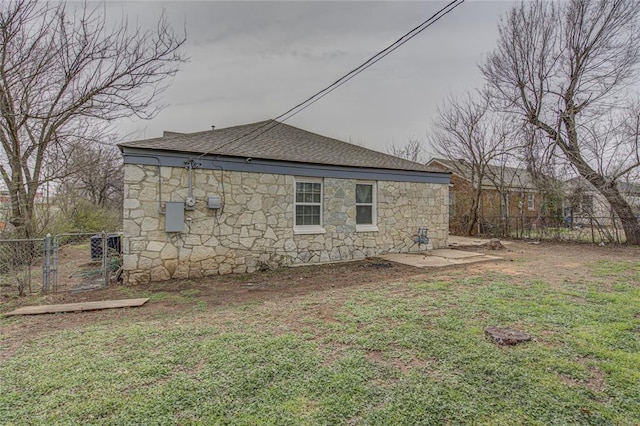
point(412, 150)
point(506, 175)
point(95, 175)
point(471, 137)
point(544, 170)
point(61, 69)
point(562, 68)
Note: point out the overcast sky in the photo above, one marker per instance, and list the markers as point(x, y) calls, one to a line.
point(251, 61)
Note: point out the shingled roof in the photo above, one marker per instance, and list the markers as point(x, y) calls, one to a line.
point(280, 142)
point(505, 176)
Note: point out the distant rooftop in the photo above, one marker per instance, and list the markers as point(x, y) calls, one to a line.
point(627, 188)
point(512, 177)
point(272, 140)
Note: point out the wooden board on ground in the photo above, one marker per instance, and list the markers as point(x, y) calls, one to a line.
point(77, 307)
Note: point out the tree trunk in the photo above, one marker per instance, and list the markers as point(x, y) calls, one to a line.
point(609, 191)
point(473, 213)
point(630, 223)
point(22, 203)
point(22, 212)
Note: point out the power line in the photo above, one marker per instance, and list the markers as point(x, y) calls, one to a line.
point(374, 59)
point(270, 124)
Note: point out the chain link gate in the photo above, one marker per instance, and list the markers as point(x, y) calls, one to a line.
point(84, 261)
point(66, 262)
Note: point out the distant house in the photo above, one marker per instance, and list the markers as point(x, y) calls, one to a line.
point(268, 194)
point(507, 192)
point(583, 202)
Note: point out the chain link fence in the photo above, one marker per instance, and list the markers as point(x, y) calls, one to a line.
point(21, 265)
point(587, 229)
point(66, 262)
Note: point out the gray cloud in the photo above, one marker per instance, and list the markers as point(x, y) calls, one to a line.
point(254, 60)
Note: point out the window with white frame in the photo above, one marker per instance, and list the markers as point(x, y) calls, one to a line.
point(366, 206)
point(308, 206)
point(531, 201)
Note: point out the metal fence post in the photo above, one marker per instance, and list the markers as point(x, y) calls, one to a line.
point(105, 248)
point(56, 247)
point(46, 267)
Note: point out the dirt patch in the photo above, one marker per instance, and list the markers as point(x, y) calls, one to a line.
point(404, 365)
point(240, 288)
point(595, 382)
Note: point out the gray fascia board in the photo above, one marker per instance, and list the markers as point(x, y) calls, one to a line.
point(243, 164)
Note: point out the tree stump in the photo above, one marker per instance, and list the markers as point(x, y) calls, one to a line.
point(506, 336)
point(494, 244)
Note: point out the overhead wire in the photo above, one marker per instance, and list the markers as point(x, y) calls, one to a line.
point(271, 124)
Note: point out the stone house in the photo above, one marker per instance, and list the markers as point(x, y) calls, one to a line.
point(267, 194)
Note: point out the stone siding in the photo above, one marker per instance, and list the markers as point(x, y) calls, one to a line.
point(255, 226)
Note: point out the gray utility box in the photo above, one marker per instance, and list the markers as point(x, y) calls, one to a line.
point(174, 216)
point(214, 202)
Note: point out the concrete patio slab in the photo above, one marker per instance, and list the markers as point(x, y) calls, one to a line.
point(438, 258)
point(417, 260)
point(453, 254)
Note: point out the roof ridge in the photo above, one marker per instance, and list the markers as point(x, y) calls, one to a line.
point(281, 142)
point(351, 144)
point(241, 125)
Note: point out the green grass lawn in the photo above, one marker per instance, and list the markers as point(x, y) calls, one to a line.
point(398, 353)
